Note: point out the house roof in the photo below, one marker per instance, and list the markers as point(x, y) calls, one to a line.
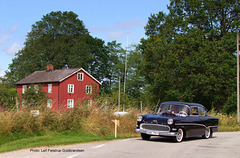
point(58, 75)
point(184, 103)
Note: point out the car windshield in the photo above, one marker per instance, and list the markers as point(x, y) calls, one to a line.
point(174, 109)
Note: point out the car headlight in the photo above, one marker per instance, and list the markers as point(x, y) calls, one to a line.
point(170, 121)
point(139, 118)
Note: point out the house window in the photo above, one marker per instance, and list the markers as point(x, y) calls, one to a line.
point(70, 88)
point(49, 103)
point(89, 89)
point(80, 76)
point(70, 103)
point(36, 88)
point(24, 88)
point(49, 88)
point(23, 103)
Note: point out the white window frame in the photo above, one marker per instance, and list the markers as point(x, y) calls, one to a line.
point(49, 103)
point(24, 88)
point(88, 89)
point(70, 88)
point(49, 88)
point(70, 103)
point(80, 76)
point(36, 88)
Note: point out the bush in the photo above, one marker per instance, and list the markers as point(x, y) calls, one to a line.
point(81, 119)
point(231, 104)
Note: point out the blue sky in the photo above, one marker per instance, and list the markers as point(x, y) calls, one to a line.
point(105, 19)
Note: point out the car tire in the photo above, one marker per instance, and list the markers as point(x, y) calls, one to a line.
point(180, 135)
point(207, 133)
point(145, 136)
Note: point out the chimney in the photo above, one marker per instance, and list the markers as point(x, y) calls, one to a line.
point(50, 67)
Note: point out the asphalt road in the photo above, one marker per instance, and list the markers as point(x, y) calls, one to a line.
point(222, 145)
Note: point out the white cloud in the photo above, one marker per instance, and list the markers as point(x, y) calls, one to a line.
point(98, 28)
point(6, 35)
point(13, 29)
point(118, 29)
point(119, 25)
point(129, 24)
point(3, 39)
point(1, 73)
point(116, 35)
point(13, 48)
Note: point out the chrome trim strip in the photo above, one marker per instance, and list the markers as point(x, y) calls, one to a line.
point(195, 124)
point(213, 126)
point(189, 124)
point(155, 133)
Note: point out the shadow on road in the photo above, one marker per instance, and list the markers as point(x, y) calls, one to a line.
point(170, 140)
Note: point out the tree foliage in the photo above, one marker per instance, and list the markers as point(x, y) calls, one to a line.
point(189, 53)
point(34, 96)
point(7, 96)
point(62, 40)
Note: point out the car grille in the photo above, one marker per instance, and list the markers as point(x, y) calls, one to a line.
point(154, 127)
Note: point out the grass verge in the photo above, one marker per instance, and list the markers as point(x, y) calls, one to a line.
point(21, 141)
point(19, 129)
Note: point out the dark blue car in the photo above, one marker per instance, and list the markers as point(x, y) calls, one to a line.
point(178, 120)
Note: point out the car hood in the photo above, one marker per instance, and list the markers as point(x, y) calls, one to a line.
point(156, 118)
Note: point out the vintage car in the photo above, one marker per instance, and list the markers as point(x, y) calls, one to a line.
point(178, 120)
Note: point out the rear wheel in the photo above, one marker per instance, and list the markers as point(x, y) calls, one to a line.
point(180, 135)
point(145, 136)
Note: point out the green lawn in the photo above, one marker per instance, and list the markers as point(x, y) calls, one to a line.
point(21, 141)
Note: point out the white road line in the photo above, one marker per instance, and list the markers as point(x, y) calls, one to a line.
point(99, 146)
point(72, 156)
point(124, 140)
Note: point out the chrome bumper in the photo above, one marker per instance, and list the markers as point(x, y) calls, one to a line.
point(155, 133)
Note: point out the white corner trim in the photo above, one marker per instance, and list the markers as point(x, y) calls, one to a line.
point(84, 72)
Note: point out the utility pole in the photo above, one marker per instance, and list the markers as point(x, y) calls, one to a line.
point(119, 91)
point(238, 77)
point(125, 74)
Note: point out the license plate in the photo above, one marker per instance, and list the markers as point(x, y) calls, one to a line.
point(152, 133)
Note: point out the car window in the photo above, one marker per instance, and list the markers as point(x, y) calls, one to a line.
point(194, 111)
point(174, 109)
point(202, 111)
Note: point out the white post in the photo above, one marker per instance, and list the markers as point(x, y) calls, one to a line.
point(238, 77)
point(119, 91)
point(115, 128)
point(116, 123)
point(125, 74)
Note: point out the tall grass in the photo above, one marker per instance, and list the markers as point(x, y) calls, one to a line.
point(83, 119)
point(227, 123)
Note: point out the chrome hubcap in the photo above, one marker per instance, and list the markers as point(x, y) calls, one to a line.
point(180, 135)
point(207, 133)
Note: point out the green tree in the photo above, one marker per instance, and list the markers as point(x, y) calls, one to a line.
point(189, 53)
point(135, 81)
point(62, 40)
point(7, 96)
point(34, 96)
point(115, 65)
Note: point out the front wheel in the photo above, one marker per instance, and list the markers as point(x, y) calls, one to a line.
point(180, 135)
point(145, 136)
point(207, 133)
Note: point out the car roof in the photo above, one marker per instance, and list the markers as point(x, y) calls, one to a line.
point(184, 103)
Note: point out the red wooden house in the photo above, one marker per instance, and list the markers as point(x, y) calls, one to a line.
point(64, 87)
